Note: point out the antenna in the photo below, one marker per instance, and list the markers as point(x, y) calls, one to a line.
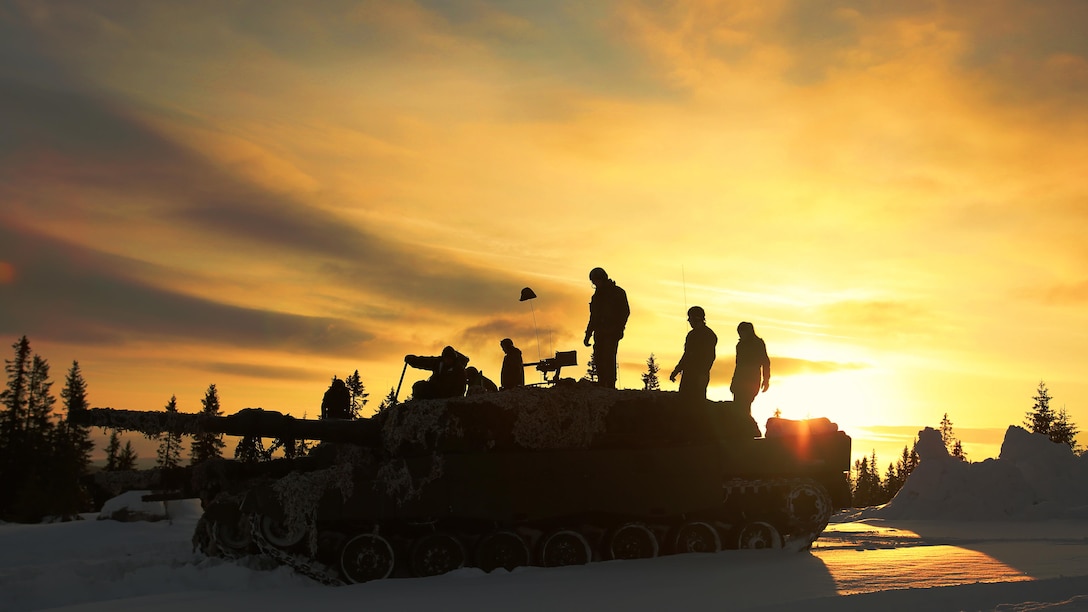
point(527, 295)
point(684, 281)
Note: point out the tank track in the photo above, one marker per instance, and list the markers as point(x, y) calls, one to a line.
point(778, 513)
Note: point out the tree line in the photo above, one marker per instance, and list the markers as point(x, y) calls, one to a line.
point(870, 489)
point(45, 460)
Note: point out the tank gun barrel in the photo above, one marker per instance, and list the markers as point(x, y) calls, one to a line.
point(247, 422)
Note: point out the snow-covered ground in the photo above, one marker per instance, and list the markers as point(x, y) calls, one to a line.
point(1003, 534)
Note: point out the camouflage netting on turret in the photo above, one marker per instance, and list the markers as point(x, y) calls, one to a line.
point(570, 415)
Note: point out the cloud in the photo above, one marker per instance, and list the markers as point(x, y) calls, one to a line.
point(883, 317)
point(1068, 294)
point(81, 142)
point(69, 293)
point(260, 371)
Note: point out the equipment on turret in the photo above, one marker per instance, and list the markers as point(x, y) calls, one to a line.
point(555, 364)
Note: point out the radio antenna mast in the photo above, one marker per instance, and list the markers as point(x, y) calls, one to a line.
point(684, 281)
point(527, 295)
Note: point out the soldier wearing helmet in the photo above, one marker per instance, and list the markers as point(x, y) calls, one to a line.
point(699, 354)
point(608, 313)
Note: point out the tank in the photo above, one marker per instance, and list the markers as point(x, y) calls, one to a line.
point(560, 475)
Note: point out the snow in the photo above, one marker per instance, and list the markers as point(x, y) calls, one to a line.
point(1006, 534)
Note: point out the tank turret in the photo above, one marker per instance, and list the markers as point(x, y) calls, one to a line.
point(557, 475)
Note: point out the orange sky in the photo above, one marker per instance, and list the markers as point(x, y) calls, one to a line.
point(261, 197)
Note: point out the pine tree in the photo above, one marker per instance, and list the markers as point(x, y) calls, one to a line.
point(892, 483)
point(169, 453)
point(1041, 417)
point(250, 449)
point(113, 450)
point(958, 452)
point(649, 379)
point(126, 459)
point(388, 401)
point(1063, 430)
point(358, 394)
point(26, 436)
point(902, 470)
point(951, 443)
point(74, 395)
point(13, 400)
point(867, 489)
point(14, 397)
point(207, 446)
point(591, 370)
point(72, 448)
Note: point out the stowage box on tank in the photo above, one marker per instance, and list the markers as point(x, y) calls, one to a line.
point(527, 476)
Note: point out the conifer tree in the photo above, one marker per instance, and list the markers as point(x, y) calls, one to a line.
point(113, 451)
point(951, 443)
point(388, 401)
point(250, 449)
point(126, 459)
point(169, 453)
point(14, 397)
point(1063, 430)
point(358, 394)
point(74, 395)
point(13, 402)
point(206, 445)
point(867, 489)
point(892, 483)
point(1041, 417)
point(591, 370)
point(39, 404)
point(649, 379)
point(42, 457)
point(72, 448)
point(39, 480)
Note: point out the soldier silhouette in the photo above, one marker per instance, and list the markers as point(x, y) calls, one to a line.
point(336, 404)
point(447, 374)
point(753, 369)
point(513, 368)
point(608, 313)
point(699, 354)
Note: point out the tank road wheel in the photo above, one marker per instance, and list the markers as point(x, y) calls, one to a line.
point(232, 536)
point(437, 553)
point(808, 506)
point(564, 547)
point(280, 534)
point(504, 549)
point(758, 534)
point(696, 536)
point(632, 541)
point(367, 557)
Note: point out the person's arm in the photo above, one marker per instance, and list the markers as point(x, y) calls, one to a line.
point(589, 326)
point(679, 369)
point(766, 367)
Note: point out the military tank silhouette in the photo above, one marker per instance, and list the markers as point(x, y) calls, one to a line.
point(551, 476)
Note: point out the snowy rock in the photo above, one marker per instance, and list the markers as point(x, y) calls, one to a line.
point(1032, 479)
point(131, 507)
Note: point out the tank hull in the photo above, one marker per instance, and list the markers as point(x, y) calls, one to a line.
point(531, 476)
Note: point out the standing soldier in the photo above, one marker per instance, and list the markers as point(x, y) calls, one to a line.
point(608, 313)
point(698, 357)
point(513, 368)
point(753, 365)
